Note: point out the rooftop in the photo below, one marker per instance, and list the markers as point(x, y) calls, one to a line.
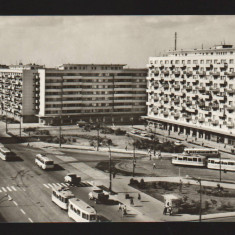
point(83, 205)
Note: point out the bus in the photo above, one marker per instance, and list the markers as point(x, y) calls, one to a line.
point(197, 160)
point(44, 162)
point(6, 154)
point(223, 164)
point(61, 195)
point(80, 211)
point(202, 152)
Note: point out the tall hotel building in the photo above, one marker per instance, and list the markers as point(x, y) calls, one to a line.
point(91, 92)
point(193, 92)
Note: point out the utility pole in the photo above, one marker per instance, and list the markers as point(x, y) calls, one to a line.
point(20, 124)
point(98, 136)
point(200, 212)
point(6, 123)
point(110, 173)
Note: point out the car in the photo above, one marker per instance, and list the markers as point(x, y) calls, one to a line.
point(98, 195)
point(178, 143)
point(72, 178)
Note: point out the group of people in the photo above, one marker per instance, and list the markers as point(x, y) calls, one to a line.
point(167, 209)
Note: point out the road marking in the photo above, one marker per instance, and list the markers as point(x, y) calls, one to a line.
point(15, 203)
point(0, 191)
point(46, 186)
point(22, 211)
point(54, 185)
point(13, 188)
point(9, 189)
point(58, 184)
point(30, 220)
point(50, 185)
point(4, 189)
point(67, 184)
point(64, 184)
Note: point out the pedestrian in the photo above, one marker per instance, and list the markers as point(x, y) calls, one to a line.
point(225, 146)
point(139, 196)
point(28, 144)
point(154, 166)
point(132, 201)
point(113, 175)
point(120, 207)
point(126, 148)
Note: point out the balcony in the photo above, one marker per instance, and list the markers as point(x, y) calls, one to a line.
point(202, 73)
point(188, 117)
point(231, 108)
point(165, 113)
point(215, 106)
point(176, 87)
point(189, 73)
point(166, 73)
point(215, 74)
point(176, 101)
point(230, 74)
point(188, 103)
point(230, 124)
point(176, 115)
point(201, 105)
point(156, 73)
point(215, 122)
point(215, 89)
point(166, 86)
point(231, 91)
point(166, 100)
point(201, 120)
point(202, 89)
point(189, 88)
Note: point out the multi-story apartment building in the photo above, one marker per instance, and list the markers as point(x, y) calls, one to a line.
point(73, 92)
point(91, 91)
point(193, 92)
point(18, 89)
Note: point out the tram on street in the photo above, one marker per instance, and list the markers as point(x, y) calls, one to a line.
point(6, 154)
point(197, 160)
point(223, 164)
point(44, 162)
point(61, 195)
point(201, 152)
point(80, 211)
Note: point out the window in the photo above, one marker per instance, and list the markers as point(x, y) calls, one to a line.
point(201, 61)
point(231, 61)
point(215, 61)
point(84, 216)
point(195, 62)
point(177, 61)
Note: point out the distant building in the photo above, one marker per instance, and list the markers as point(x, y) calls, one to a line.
point(92, 92)
point(193, 92)
point(26, 66)
point(104, 92)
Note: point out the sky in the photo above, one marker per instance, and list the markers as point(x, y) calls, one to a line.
point(131, 40)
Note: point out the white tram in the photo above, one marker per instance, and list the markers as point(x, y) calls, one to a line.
point(44, 162)
point(80, 211)
point(6, 154)
point(189, 160)
point(61, 195)
point(202, 151)
point(223, 164)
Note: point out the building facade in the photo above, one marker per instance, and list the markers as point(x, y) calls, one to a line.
point(18, 89)
point(193, 92)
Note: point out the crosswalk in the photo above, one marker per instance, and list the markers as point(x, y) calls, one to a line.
point(81, 184)
point(10, 189)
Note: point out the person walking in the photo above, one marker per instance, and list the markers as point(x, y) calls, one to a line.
point(139, 196)
point(154, 166)
point(120, 207)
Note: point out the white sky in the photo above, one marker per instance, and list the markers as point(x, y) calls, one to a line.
point(53, 40)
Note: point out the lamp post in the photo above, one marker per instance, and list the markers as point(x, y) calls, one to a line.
point(110, 173)
point(98, 135)
point(20, 124)
point(219, 166)
point(133, 173)
point(200, 209)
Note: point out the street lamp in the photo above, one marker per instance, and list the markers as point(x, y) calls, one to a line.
point(110, 174)
point(131, 119)
point(219, 166)
point(200, 209)
point(134, 163)
point(20, 124)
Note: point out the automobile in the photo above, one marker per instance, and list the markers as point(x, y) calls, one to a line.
point(98, 195)
point(72, 178)
point(178, 143)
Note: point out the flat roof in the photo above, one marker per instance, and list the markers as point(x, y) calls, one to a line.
point(83, 205)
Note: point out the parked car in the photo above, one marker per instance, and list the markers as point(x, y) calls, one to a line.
point(72, 178)
point(98, 195)
point(178, 143)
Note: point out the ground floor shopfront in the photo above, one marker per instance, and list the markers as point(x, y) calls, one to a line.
point(197, 133)
point(116, 119)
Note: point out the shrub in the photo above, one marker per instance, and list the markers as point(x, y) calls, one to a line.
point(119, 132)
